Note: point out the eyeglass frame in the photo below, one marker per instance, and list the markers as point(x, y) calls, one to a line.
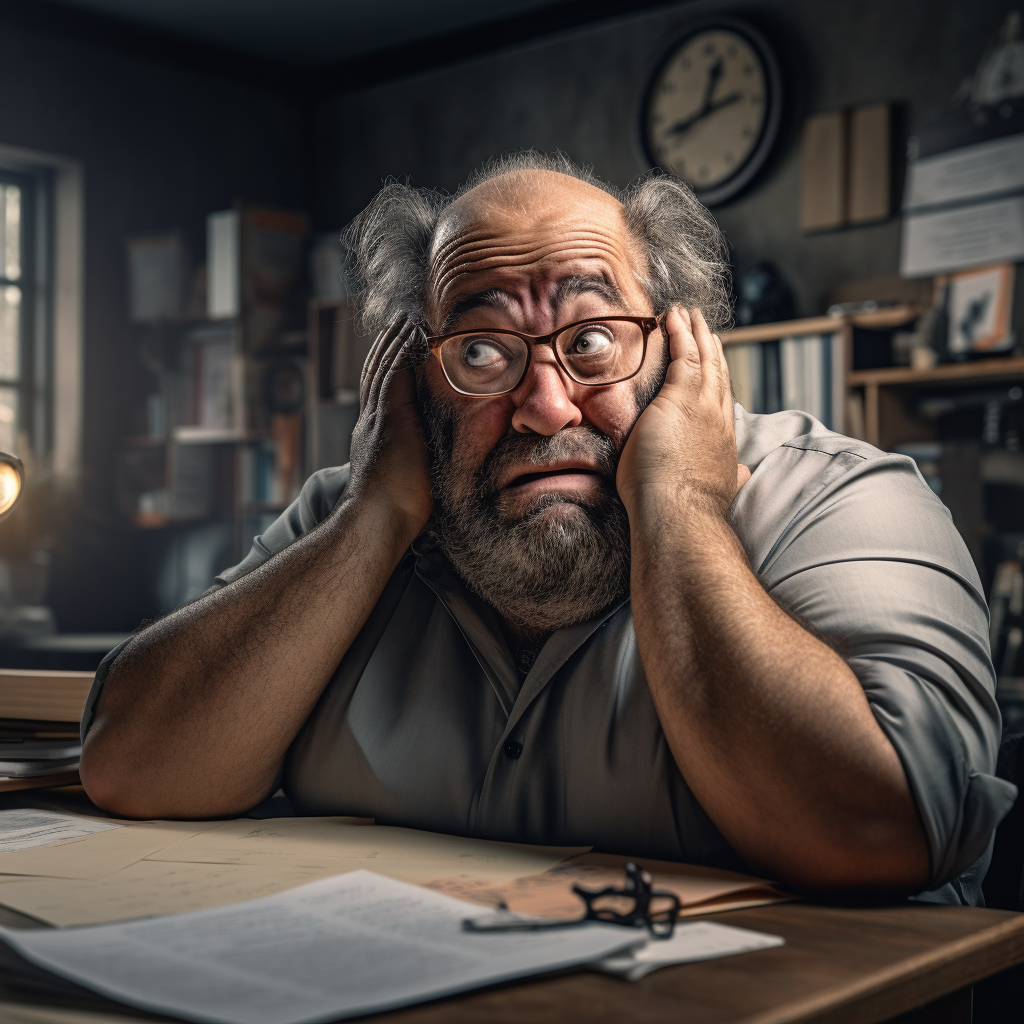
point(648, 324)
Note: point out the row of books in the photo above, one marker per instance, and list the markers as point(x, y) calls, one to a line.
point(259, 480)
point(40, 714)
point(804, 372)
point(1006, 605)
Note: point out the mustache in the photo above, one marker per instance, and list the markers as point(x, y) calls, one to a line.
point(575, 442)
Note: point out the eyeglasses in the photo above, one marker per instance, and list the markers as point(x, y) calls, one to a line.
point(603, 350)
point(636, 904)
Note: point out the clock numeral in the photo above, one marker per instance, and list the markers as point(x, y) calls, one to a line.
point(709, 49)
point(668, 86)
point(748, 133)
point(748, 69)
point(685, 63)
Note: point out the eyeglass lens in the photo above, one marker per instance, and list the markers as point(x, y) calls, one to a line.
point(595, 352)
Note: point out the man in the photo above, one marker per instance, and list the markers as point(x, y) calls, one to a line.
point(567, 593)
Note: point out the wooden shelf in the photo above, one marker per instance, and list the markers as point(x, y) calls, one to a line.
point(881, 319)
point(947, 372)
point(783, 329)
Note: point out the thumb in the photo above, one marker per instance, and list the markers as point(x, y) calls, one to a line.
point(742, 475)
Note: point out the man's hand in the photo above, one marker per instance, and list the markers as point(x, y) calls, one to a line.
point(389, 460)
point(770, 728)
point(683, 446)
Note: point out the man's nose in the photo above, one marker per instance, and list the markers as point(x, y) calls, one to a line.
point(543, 401)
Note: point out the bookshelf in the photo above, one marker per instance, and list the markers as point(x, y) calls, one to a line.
point(963, 423)
point(215, 451)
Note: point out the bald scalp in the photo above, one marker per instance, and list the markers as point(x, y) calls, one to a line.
point(392, 245)
point(522, 196)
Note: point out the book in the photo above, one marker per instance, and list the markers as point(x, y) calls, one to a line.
point(43, 695)
point(157, 273)
point(39, 716)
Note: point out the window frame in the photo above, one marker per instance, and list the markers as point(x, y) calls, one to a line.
point(35, 379)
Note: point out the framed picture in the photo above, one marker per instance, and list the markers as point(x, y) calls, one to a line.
point(978, 304)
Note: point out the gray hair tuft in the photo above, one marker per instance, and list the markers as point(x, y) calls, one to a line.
point(387, 246)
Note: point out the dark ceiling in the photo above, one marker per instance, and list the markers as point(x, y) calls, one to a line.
point(310, 47)
point(308, 33)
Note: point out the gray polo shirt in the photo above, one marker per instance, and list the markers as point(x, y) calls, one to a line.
point(428, 723)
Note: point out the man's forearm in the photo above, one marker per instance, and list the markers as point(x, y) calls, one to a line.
point(768, 725)
point(199, 709)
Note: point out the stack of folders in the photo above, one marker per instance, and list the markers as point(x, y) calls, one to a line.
point(805, 373)
point(40, 714)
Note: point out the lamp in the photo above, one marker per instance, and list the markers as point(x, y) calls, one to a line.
point(12, 476)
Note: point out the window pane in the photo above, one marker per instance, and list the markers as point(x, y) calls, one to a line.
point(10, 333)
point(12, 232)
point(8, 420)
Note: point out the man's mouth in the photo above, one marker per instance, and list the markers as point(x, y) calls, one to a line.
point(549, 474)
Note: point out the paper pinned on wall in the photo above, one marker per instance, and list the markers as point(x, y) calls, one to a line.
point(337, 948)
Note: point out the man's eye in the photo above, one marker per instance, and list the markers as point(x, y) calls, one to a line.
point(481, 354)
point(591, 343)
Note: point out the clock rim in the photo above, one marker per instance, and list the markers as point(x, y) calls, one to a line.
point(758, 157)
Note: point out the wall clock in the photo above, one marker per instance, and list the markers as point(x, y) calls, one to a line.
point(714, 107)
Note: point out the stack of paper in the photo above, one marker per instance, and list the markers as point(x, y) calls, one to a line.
point(24, 757)
point(39, 716)
point(358, 943)
point(355, 944)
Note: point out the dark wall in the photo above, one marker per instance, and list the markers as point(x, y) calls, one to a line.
point(161, 147)
point(582, 93)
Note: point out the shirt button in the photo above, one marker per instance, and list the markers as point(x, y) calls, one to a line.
point(513, 749)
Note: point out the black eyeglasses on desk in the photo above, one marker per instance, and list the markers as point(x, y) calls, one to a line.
point(637, 904)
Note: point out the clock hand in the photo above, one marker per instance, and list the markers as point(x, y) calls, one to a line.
point(714, 74)
point(685, 125)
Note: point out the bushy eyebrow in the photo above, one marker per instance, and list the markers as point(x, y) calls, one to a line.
point(494, 298)
point(567, 288)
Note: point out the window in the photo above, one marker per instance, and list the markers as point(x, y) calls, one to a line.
point(24, 320)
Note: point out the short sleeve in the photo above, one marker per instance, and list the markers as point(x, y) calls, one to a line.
point(317, 499)
point(854, 544)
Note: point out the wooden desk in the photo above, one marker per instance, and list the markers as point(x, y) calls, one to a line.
point(847, 965)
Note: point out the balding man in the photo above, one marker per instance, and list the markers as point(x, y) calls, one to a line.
point(566, 592)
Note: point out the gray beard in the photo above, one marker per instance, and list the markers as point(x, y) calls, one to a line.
point(541, 571)
point(544, 570)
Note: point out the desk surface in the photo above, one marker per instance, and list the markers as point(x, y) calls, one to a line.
point(848, 965)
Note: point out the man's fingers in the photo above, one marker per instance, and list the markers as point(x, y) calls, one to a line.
point(684, 367)
point(388, 359)
point(373, 359)
point(711, 359)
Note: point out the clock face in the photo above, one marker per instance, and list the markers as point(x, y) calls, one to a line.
point(711, 110)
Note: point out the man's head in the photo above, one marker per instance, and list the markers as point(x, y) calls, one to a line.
point(525, 504)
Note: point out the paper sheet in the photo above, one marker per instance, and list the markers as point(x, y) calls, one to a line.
point(147, 889)
point(697, 940)
point(402, 853)
point(119, 845)
point(26, 829)
point(337, 948)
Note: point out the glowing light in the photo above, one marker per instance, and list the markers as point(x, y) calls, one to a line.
point(10, 486)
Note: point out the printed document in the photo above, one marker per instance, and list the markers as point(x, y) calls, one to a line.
point(354, 944)
point(695, 940)
point(23, 829)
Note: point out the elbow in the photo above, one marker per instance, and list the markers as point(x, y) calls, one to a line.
point(880, 857)
point(109, 784)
